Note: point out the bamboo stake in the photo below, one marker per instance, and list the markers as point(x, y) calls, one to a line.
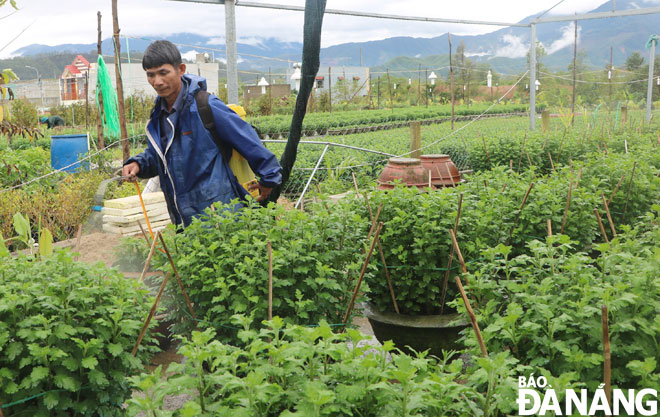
point(632, 175)
point(451, 178)
point(511, 165)
point(568, 203)
point(607, 356)
point(522, 206)
point(178, 278)
point(473, 318)
point(600, 225)
point(522, 151)
point(270, 281)
point(146, 239)
point(78, 238)
point(490, 164)
point(430, 178)
point(318, 189)
point(485, 183)
point(362, 272)
point(552, 164)
point(380, 247)
point(529, 160)
point(151, 253)
point(457, 250)
point(387, 277)
point(618, 184)
point(549, 227)
point(373, 221)
point(609, 217)
point(504, 188)
point(445, 282)
point(151, 314)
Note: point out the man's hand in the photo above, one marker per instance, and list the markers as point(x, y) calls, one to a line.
point(263, 191)
point(131, 170)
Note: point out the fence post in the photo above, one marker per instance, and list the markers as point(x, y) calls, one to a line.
point(415, 139)
point(545, 120)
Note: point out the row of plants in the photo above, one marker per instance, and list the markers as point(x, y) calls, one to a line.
point(224, 258)
point(416, 239)
point(289, 370)
point(545, 307)
point(66, 333)
point(323, 122)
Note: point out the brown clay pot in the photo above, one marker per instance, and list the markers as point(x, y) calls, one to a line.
point(443, 171)
point(408, 170)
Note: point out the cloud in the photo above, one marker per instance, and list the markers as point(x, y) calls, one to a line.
point(514, 47)
point(190, 55)
point(567, 38)
point(216, 41)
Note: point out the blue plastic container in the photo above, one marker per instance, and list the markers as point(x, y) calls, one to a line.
point(66, 150)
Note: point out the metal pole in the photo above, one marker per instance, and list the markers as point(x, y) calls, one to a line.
point(330, 87)
point(532, 76)
point(230, 35)
point(649, 91)
point(309, 181)
point(574, 73)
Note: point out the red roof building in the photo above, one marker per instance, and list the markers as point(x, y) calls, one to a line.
point(73, 79)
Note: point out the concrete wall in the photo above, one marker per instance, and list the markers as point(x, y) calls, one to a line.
point(253, 92)
point(29, 89)
point(135, 79)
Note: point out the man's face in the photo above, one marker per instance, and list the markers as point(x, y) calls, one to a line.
point(166, 80)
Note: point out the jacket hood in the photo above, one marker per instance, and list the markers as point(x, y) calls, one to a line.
point(195, 83)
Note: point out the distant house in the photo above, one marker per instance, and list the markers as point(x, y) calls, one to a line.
point(345, 82)
point(73, 81)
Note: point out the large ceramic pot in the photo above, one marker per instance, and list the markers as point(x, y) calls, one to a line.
point(408, 170)
point(443, 171)
point(434, 332)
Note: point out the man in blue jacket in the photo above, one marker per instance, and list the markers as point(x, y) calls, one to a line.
point(181, 151)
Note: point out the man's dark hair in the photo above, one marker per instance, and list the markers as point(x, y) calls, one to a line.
point(160, 53)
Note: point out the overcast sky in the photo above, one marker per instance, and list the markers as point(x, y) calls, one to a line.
point(74, 21)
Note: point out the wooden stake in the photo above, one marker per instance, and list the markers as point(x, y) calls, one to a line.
point(600, 225)
point(490, 164)
point(430, 179)
point(607, 356)
point(120, 86)
point(632, 175)
point(552, 164)
point(99, 117)
point(522, 206)
point(457, 250)
point(445, 282)
point(362, 272)
point(473, 318)
point(625, 144)
point(373, 221)
point(609, 217)
point(485, 183)
point(504, 188)
point(178, 278)
point(618, 184)
point(144, 234)
point(78, 238)
point(270, 281)
point(568, 203)
point(151, 253)
point(549, 227)
point(387, 277)
point(151, 314)
point(318, 189)
point(511, 164)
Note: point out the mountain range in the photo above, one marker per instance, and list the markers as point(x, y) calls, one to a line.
point(504, 50)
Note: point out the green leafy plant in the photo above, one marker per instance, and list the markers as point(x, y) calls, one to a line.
point(298, 371)
point(316, 260)
point(66, 333)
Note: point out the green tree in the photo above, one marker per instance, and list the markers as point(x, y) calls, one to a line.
point(12, 2)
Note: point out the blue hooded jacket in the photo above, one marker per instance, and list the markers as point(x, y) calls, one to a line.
point(192, 171)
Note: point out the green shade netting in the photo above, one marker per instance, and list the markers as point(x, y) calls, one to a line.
point(110, 115)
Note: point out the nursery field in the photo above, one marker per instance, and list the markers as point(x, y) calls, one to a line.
point(548, 253)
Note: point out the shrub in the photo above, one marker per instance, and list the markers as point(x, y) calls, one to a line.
point(66, 334)
point(298, 371)
point(224, 265)
point(518, 309)
point(24, 113)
